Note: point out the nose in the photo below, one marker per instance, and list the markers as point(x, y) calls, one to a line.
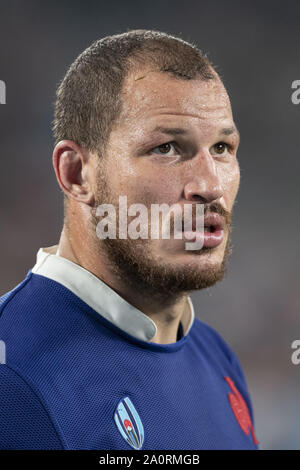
point(204, 184)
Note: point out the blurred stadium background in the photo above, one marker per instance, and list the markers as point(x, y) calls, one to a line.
point(256, 47)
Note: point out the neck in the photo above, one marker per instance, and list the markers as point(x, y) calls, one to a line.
point(166, 313)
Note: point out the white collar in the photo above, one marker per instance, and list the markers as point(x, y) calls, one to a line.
point(100, 297)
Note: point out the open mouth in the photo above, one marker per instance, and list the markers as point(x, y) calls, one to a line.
point(210, 228)
point(211, 231)
point(212, 223)
point(206, 228)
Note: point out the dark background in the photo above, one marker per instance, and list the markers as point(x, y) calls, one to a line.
point(256, 45)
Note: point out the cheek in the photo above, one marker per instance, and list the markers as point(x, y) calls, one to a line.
point(154, 189)
point(230, 182)
point(143, 183)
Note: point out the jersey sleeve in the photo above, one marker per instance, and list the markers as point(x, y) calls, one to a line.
point(24, 421)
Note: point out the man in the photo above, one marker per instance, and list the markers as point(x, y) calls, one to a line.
point(103, 350)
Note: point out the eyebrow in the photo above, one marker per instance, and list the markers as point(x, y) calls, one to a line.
point(229, 130)
point(181, 131)
point(171, 130)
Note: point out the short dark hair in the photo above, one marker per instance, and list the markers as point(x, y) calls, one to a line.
point(88, 98)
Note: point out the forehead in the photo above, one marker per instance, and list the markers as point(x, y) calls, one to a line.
point(147, 94)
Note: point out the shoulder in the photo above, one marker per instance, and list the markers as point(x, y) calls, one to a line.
point(6, 298)
point(24, 420)
point(221, 357)
point(210, 337)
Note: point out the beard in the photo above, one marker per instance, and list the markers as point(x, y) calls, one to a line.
point(133, 261)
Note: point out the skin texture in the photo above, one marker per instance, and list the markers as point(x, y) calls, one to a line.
point(154, 275)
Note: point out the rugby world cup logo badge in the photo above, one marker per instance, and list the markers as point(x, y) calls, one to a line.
point(129, 423)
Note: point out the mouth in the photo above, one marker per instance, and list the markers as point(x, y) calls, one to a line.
point(208, 229)
point(213, 233)
point(213, 222)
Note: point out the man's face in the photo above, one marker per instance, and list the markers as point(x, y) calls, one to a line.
point(194, 164)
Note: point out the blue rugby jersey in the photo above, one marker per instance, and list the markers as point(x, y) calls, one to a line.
point(81, 372)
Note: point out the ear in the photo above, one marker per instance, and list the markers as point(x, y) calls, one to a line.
point(73, 168)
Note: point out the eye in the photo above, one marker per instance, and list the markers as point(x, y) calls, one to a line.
point(165, 149)
point(220, 148)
